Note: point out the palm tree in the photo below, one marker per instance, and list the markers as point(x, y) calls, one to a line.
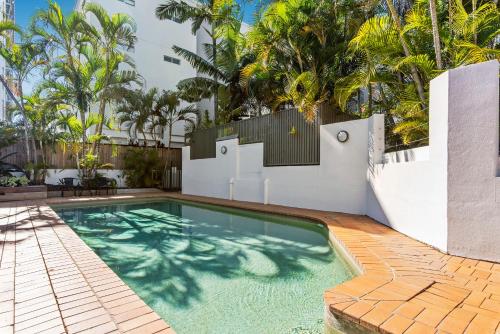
point(136, 112)
point(22, 59)
point(218, 14)
point(300, 46)
point(168, 112)
point(435, 33)
point(43, 122)
point(71, 72)
point(224, 75)
point(113, 33)
point(414, 72)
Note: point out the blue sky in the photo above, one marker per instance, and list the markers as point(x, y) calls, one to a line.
point(26, 8)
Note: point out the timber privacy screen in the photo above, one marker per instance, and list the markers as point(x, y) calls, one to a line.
point(289, 140)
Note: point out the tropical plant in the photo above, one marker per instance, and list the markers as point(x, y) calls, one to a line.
point(300, 48)
point(112, 34)
point(216, 18)
point(139, 167)
point(169, 111)
point(13, 181)
point(136, 111)
point(70, 74)
point(22, 59)
point(398, 58)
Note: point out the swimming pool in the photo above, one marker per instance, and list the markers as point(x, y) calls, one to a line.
point(207, 269)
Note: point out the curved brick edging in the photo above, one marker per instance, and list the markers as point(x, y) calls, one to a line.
point(406, 286)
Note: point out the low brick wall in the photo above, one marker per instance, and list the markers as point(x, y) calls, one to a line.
point(22, 193)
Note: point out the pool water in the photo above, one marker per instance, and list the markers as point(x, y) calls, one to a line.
point(207, 269)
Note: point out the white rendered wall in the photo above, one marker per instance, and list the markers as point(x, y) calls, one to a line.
point(55, 175)
point(446, 194)
point(408, 192)
point(337, 184)
point(473, 136)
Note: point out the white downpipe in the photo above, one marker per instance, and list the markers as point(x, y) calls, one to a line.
point(266, 191)
point(231, 188)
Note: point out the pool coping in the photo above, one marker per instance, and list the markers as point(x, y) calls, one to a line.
point(404, 286)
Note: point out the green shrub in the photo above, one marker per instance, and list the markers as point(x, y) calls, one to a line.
point(139, 167)
point(13, 181)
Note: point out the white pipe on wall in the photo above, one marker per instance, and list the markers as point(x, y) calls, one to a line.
point(231, 188)
point(266, 191)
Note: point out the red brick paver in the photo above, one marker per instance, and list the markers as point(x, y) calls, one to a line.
point(405, 286)
point(50, 281)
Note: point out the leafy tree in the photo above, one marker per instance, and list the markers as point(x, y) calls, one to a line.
point(219, 15)
point(300, 49)
point(136, 112)
point(112, 34)
point(22, 59)
point(70, 73)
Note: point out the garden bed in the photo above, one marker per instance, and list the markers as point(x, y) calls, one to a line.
point(22, 193)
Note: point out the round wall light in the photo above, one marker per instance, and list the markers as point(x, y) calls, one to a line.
point(223, 149)
point(343, 136)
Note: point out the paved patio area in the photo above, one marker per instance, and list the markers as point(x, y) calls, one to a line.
point(51, 282)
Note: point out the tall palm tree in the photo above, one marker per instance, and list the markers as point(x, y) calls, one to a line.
point(435, 33)
point(112, 34)
point(72, 70)
point(301, 46)
point(169, 111)
point(223, 76)
point(218, 14)
point(136, 112)
point(414, 72)
point(22, 59)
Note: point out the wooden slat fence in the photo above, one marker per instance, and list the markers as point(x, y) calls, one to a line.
point(59, 158)
point(288, 138)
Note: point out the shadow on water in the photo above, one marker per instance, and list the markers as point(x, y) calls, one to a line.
point(162, 250)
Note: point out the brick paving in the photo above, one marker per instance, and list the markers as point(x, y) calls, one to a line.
point(51, 282)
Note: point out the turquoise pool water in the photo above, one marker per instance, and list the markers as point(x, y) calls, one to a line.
point(206, 269)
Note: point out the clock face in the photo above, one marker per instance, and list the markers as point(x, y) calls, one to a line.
point(343, 136)
point(223, 149)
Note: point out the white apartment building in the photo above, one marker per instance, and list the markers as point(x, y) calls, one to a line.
point(155, 60)
point(7, 11)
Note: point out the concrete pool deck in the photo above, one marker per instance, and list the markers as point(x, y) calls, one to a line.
point(51, 282)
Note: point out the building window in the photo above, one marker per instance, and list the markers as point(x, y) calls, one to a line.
point(173, 60)
point(128, 2)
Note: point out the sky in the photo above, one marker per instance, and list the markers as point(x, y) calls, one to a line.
point(26, 8)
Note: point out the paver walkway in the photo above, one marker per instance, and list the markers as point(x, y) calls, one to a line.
point(51, 282)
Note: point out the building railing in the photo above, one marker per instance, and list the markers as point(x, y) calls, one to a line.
point(288, 139)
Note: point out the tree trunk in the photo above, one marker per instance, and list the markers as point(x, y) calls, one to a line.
point(27, 126)
point(20, 107)
point(216, 86)
point(414, 73)
point(435, 33)
point(98, 130)
point(370, 99)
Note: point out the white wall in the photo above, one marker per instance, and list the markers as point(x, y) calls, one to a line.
point(473, 144)
point(446, 194)
point(338, 183)
point(54, 175)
